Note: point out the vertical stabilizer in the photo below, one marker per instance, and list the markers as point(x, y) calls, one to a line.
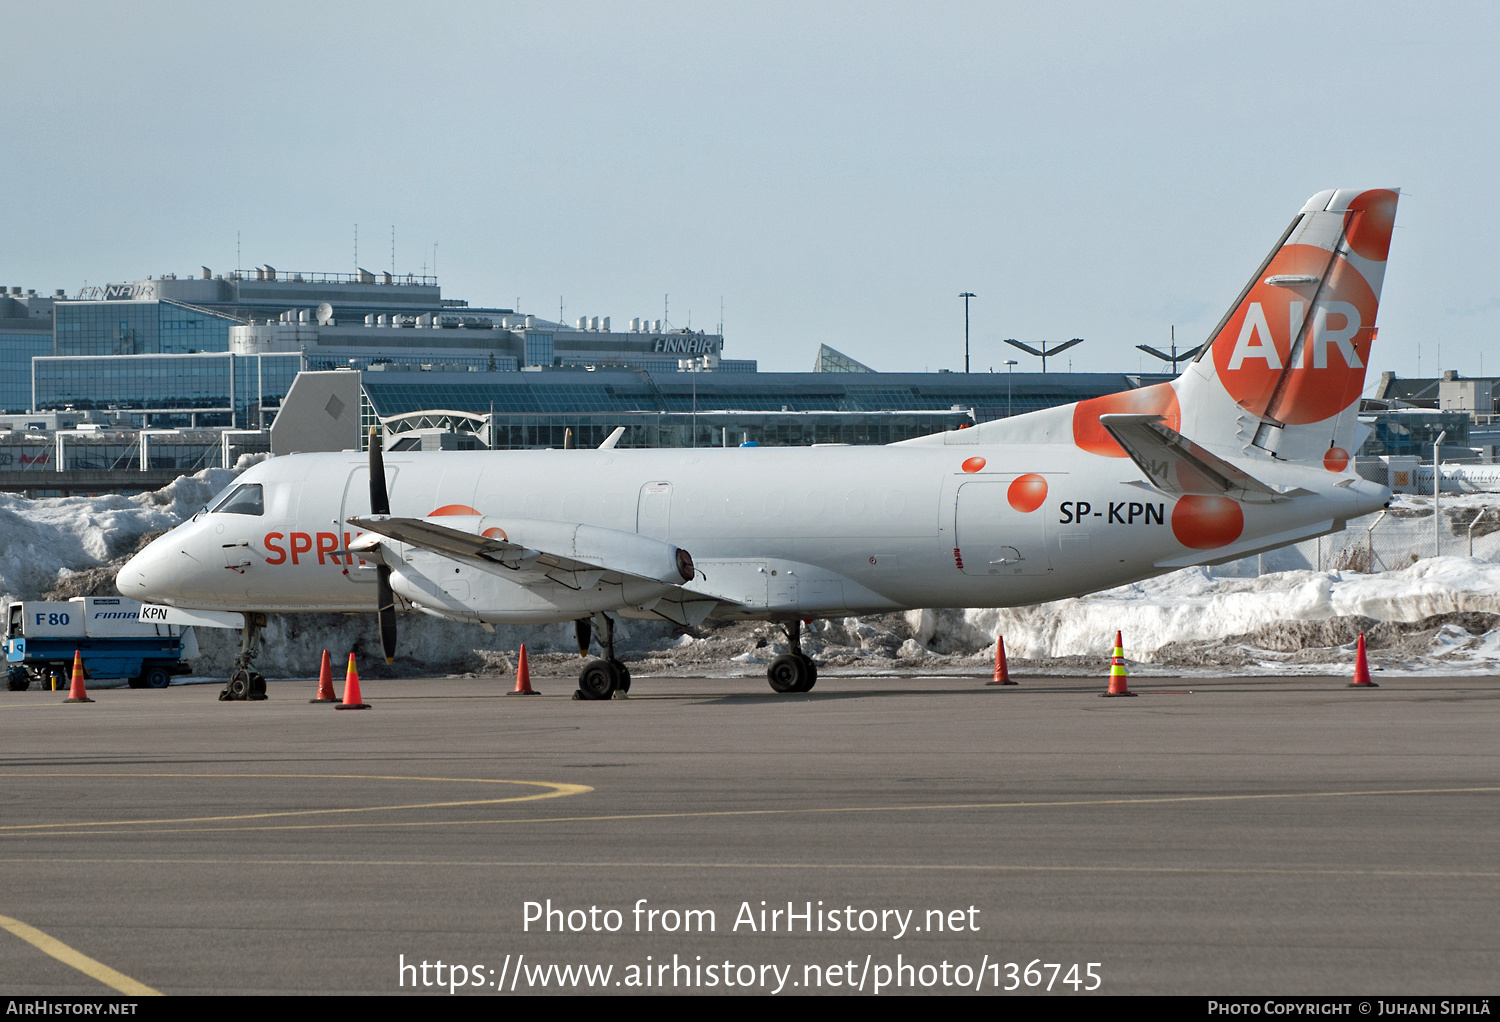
point(1283, 371)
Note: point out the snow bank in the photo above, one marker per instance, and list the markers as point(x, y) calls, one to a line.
point(1192, 605)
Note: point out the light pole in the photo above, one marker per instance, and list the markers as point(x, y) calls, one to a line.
point(1437, 476)
point(1046, 352)
point(966, 296)
point(1009, 375)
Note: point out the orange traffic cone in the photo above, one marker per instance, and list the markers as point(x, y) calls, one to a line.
point(325, 682)
point(1361, 668)
point(77, 694)
point(1118, 685)
point(351, 690)
point(523, 676)
point(1002, 669)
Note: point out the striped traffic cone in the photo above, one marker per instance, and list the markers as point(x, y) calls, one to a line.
point(352, 699)
point(77, 694)
point(1118, 683)
point(1361, 668)
point(1002, 669)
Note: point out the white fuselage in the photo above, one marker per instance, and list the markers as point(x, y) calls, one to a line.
point(774, 532)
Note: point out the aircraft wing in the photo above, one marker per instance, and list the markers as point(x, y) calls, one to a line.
point(535, 549)
point(1176, 465)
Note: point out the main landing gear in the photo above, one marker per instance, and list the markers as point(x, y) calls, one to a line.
point(245, 682)
point(793, 671)
point(600, 679)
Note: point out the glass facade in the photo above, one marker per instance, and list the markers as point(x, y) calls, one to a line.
point(538, 349)
point(201, 389)
point(137, 328)
point(17, 349)
point(532, 409)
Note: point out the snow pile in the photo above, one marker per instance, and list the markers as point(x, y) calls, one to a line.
point(41, 539)
point(1193, 605)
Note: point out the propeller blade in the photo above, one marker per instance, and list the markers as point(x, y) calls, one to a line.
point(385, 610)
point(380, 500)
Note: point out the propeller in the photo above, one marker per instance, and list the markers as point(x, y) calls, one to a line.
point(380, 504)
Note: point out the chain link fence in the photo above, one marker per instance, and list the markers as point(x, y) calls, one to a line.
point(1390, 540)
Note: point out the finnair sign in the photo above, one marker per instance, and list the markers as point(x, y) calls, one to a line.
point(700, 345)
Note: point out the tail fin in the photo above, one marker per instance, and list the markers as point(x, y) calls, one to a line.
point(1284, 369)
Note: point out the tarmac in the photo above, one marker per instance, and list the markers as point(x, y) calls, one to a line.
point(1235, 836)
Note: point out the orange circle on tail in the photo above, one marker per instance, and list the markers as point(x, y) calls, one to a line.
point(1336, 460)
point(1371, 226)
point(1207, 523)
point(1254, 348)
point(1088, 434)
point(1027, 492)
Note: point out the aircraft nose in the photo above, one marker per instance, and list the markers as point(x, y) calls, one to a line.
point(157, 572)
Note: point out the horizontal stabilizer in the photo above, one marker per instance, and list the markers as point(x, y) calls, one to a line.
point(540, 548)
point(1176, 465)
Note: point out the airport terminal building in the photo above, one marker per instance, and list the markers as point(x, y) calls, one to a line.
point(221, 350)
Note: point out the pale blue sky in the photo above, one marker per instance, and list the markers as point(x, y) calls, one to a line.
point(837, 172)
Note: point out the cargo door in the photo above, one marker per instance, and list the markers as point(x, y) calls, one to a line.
point(654, 511)
point(993, 537)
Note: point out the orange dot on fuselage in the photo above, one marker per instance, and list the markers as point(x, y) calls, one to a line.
point(1336, 460)
point(1206, 523)
point(1027, 492)
point(973, 465)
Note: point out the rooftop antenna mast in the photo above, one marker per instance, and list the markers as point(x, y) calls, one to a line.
point(393, 250)
point(356, 248)
point(1174, 357)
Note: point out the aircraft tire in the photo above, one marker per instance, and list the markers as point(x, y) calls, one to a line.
point(598, 680)
point(623, 685)
point(812, 673)
point(239, 687)
point(788, 672)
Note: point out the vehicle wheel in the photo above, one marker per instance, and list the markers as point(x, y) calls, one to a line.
point(155, 677)
point(788, 673)
point(19, 679)
point(812, 674)
point(623, 684)
point(598, 680)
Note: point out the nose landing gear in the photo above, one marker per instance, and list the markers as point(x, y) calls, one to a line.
point(245, 682)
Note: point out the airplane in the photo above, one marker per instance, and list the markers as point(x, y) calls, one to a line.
point(1249, 449)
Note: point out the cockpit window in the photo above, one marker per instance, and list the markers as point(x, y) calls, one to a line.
point(246, 499)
